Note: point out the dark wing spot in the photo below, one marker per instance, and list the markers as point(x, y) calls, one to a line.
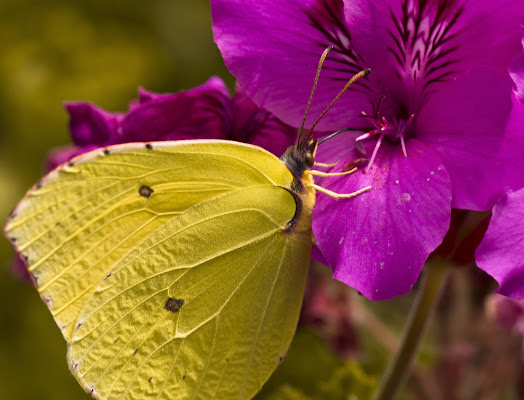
point(281, 358)
point(70, 164)
point(148, 146)
point(39, 184)
point(106, 152)
point(145, 191)
point(136, 350)
point(107, 276)
point(150, 379)
point(116, 340)
point(173, 304)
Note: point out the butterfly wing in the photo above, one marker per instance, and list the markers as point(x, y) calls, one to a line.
point(170, 270)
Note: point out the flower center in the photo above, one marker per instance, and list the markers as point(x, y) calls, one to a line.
point(393, 128)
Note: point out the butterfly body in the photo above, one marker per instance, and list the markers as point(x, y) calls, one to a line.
point(175, 270)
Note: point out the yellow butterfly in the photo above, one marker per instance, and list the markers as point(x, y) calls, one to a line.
point(175, 270)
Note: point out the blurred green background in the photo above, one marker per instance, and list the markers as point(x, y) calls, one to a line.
point(53, 51)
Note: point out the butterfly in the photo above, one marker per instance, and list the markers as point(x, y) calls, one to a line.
point(175, 270)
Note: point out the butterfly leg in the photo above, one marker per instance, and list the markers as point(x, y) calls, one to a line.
point(326, 174)
point(319, 164)
point(340, 195)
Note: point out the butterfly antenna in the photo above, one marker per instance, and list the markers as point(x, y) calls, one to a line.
point(319, 68)
point(353, 79)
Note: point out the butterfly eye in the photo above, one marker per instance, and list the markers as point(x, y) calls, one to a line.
point(309, 159)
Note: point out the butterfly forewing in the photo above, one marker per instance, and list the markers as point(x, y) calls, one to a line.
point(86, 216)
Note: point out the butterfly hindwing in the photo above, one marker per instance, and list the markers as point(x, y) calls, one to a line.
point(204, 308)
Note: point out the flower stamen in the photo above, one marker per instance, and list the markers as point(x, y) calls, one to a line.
point(403, 145)
point(396, 131)
point(375, 151)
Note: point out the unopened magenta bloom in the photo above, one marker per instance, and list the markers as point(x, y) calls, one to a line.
point(205, 112)
point(431, 116)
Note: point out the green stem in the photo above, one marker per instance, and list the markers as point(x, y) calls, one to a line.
point(420, 314)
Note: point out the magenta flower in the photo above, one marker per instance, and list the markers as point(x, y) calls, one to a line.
point(431, 115)
point(501, 252)
point(205, 112)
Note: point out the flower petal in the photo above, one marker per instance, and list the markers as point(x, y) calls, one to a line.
point(273, 48)
point(497, 26)
point(501, 252)
point(516, 70)
point(61, 155)
point(203, 112)
point(333, 150)
point(91, 125)
point(415, 43)
point(257, 126)
point(378, 242)
point(19, 268)
point(465, 122)
point(144, 96)
point(504, 310)
point(510, 162)
point(317, 256)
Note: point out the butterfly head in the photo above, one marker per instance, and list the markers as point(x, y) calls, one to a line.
point(308, 151)
point(298, 159)
point(301, 157)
